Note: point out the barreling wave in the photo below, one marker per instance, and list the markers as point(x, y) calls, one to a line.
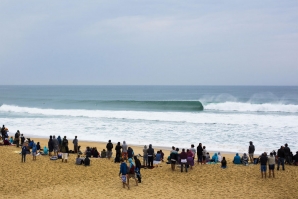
point(249, 107)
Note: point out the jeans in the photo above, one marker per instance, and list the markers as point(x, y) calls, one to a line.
point(23, 157)
point(282, 162)
point(183, 165)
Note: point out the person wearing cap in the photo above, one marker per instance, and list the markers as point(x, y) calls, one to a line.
point(251, 150)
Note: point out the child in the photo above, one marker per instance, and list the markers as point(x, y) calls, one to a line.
point(123, 172)
point(24, 152)
point(38, 147)
point(11, 140)
point(34, 151)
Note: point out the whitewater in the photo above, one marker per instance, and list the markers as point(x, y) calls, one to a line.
point(162, 116)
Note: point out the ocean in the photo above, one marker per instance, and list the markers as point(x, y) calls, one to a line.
point(222, 118)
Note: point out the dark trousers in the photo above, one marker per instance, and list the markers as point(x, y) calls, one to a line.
point(289, 159)
point(150, 161)
point(281, 161)
point(23, 157)
point(183, 165)
point(75, 148)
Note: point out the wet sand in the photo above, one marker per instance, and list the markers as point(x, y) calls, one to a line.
point(45, 178)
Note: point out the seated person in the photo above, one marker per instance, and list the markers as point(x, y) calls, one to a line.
point(88, 152)
point(95, 153)
point(214, 158)
point(11, 140)
point(38, 147)
point(6, 142)
point(244, 159)
point(219, 157)
point(223, 163)
point(157, 159)
point(87, 161)
point(45, 150)
point(162, 155)
point(295, 158)
point(237, 159)
point(103, 154)
point(207, 157)
point(79, 160)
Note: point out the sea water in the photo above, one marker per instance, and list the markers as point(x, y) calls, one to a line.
point(223, 118)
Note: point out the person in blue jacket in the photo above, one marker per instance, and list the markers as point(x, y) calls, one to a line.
point(237, 159)
point(123, 172)
point(34, 151)
point(214, 158)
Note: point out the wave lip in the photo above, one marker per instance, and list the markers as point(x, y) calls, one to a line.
point(249, 107)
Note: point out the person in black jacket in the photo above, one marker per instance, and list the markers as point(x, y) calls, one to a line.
point(50, 146)
point(109, 149)
point(251, 150)
point(281, 158)
point(118, 152)
point(200, 153)
point(150, 153)
point(288, 158)
point(138, 168)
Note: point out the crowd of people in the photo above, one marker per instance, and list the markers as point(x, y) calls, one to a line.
point(58, 148)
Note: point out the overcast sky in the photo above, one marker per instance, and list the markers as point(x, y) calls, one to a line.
point(149, 42)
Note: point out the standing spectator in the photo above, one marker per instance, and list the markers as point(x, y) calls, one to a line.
point(3, 132)
point(251, 150)
point(145, 156)
point(130, 152)
point(50, 146)
point(263, 161)
point(204, 153)
point(64, 149)
point(193, 150)
point(24, 152)
point(138, 169)
point(295, 158)
point(281, 158)
point(123, 172)
point(150, 153)
point(173, 158)
point(56, 146)
point(109, 149)
point(34, 151)
point(118, 152)
point(59, 141)
point(183, 159)
point(17, 138)
point(271, 164)
point(75, 144)
point(190, 158)
point(124, 151)
point(22, 139)
point(200, 153)
point(288, 158)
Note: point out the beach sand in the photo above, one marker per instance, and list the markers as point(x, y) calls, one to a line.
point(45, 178)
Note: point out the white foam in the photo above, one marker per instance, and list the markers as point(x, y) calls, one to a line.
point(249, 107)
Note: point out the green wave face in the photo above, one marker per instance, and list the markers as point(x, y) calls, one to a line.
point(184, 106)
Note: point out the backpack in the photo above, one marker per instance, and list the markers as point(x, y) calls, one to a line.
point(132, 169)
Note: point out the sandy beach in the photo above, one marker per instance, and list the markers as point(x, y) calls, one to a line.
point(45, 178)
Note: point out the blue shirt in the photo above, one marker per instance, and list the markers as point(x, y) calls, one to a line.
point(123, 168)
